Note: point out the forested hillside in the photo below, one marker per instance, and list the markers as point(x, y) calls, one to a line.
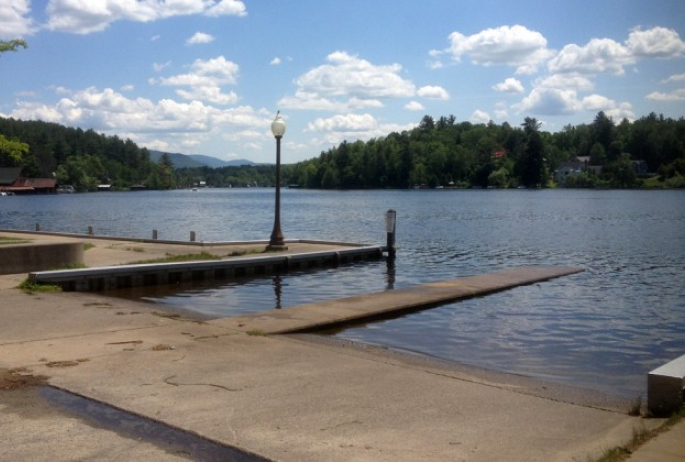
point(443, 153)
point(80, 158)
point(86, 159)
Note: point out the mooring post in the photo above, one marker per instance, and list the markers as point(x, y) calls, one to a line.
point(192, 236)
point(37, 226)
point(154, 234)
point(90, 230)
point(390, 222)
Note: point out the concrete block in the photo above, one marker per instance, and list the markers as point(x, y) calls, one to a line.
point(665, 386)
point(23, 258)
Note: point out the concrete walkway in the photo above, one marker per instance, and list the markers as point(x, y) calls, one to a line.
point(282, 397)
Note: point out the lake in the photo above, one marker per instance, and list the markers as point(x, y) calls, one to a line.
point(602, 329)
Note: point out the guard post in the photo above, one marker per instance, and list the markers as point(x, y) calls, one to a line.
point(390, 222)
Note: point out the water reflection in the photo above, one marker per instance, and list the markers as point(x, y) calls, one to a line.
point(278, 290)
point(390, 273)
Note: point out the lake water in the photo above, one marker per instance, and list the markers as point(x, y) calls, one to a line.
point(603, 329)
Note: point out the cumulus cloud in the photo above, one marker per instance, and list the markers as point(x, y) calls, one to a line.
point(347, 81)
point(341, 127)
point(557, 101)
point(549, 101)
point(15, 20)
point(83, 17)
point(598, 56)
point(200, 38)
point(276, 61)
point(347, 122)
point(604, 55)
point(658, 42)
point(479, 117)
point(204, 80)
point(573, 81)
point(414, 106)
point(143, 120)
point(514, 46)
point(675, 95)
point(675, 78)
point(510, 85)
point(432, 92)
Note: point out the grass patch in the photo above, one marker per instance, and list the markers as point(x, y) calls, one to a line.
point(31, 287)
point(256, 333)
point(241, 252)
point(11, 240)
point(635, 407)
point(135, 249)
point(640, 436)
point(180, 258)
point(88, 246)
point(69, 266)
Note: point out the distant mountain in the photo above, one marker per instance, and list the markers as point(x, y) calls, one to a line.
point(197, 160)
point(213, 162)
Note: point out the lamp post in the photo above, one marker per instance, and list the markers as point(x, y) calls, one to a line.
point(276, 241)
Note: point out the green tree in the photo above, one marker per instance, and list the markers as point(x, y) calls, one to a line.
point(531, 163)
point(12, 153)
point(12, 45)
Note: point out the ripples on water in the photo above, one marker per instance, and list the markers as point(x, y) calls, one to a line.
point(603, 329)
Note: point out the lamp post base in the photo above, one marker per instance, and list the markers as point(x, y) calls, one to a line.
point(276, 247)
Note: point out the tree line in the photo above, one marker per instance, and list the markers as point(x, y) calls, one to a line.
point(437, 153)
point(445, 153)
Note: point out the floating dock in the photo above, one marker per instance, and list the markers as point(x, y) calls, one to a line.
point(135, 275)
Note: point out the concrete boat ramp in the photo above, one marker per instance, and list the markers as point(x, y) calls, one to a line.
point(331, 313)
point(281, 397)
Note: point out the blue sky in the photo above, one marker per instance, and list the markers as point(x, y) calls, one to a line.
point(207, 76)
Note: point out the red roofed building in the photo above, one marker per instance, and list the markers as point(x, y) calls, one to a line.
point(32, 186)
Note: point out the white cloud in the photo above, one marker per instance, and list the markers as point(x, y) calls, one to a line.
point(146, 121)
point(348, 82)
point(200, 38)
point(127, 88)
point(675, 78)
point(346, 123)
point(621, 111)
point(565, 81)
point(84, 17)
point(159, 67)
point(414, 106)
point(350, 127)
point(549, 101)
point(514, 46)
point(501, 114)
point(510, 85)
point(657, 42)
point(432, 92)
point(309, 101)
point(556, 101)
point(597, 103)
point(208, 93)
point(598, 56)
point(479, 116)
point(276, 61)
point(675, 95)
point(227, 8)
point(15, 20)
point(204, 79)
